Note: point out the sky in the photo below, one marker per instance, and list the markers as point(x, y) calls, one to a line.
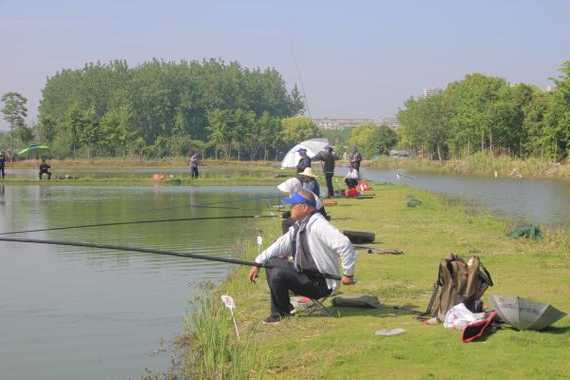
point(359, 59)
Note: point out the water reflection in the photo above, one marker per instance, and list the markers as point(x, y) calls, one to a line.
point(68, 313)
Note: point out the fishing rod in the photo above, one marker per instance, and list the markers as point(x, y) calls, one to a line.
point(215, 205)
point(148, 221)
point(148, 250)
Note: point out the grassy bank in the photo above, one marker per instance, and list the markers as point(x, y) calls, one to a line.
point(116, 163)
point(346, 347)
point(132, 172)
point(480, 164)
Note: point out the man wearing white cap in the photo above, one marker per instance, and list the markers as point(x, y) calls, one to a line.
point(305, 259)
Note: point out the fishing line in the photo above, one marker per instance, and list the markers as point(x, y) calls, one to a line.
point(212, 205)
point(147, 250)
point(139, 222)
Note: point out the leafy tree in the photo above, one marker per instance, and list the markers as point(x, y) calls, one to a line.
point(539, 139)
point(15, 112)
point(88, 131)
point(387, 139)
point(298, 128)
point(366, 137)
point(558, 115)
point(297, 104)
point(425, 125)
point(218, 126)
point(46, 130)
point(268, 129)
point(177, 101)
point(118, 132)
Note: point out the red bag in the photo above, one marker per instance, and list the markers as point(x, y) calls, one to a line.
point(476, 329)
point(351, 192)
point(363, 186)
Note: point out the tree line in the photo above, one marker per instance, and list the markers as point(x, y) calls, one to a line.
point(485, 113)
point(160, 109)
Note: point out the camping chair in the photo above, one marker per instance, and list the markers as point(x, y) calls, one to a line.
point(313, 306)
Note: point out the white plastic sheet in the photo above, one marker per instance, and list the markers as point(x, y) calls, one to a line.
point(460, 316)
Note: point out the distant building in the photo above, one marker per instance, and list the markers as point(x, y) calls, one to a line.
point(391, 122)
point(549, 88)
point(431, 92)
point(329, 123)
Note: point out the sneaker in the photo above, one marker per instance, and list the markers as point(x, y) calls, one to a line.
point(273, 319)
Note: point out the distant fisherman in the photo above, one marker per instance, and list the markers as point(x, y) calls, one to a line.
point(328, 156)
point(2, 164)
point(44, 169)
point(304, 162)
point(355, 159)
point(194, 161)
point(302, 257)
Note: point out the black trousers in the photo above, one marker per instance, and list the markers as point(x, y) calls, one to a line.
point(283, 277)
point(351, 182)
point(195, 172)
point(328, 178)
point(45, 172)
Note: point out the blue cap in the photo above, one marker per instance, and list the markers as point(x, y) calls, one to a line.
point(297, 198)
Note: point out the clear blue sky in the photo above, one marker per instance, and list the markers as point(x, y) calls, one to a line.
point(355, 59)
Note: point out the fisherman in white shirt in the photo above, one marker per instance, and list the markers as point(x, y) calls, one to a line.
point(305, 258)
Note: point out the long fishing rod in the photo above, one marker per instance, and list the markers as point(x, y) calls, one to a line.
point(147, 250)
point(138, 222)
point(215, 204)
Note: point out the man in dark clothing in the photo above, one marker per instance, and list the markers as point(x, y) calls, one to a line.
point(328, 157)
point(194, 161)
point(44, 169)
point(2, 164)
point(304, 162)
point(355, 159)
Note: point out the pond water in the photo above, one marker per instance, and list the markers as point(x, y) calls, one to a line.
point(541, 201)
point(79, 313)
point(69, 313)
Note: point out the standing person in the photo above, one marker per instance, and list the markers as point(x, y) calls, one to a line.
point(304, 162)
point(194, 161)
point(302, 258)
point(44, 169)
point(355, 159)
point(328, 156)
point(2, 164)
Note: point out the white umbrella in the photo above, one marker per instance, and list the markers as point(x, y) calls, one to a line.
point(313, 147)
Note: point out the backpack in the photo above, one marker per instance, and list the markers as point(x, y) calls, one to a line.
point(457, 282)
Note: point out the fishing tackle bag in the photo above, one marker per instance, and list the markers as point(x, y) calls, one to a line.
point(459, 281)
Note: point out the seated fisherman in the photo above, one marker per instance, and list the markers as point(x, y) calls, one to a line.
point(44, 169)
point(351, 179)
point(302, 258)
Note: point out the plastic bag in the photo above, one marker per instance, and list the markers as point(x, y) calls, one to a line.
point(459, 316)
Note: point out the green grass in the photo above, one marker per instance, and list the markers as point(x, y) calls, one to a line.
point(346, 347)
point(212, 350)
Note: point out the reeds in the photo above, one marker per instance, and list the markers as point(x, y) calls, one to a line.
point(212, 351)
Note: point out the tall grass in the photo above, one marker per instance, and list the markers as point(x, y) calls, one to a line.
point(212, 350)
point(481, 163)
